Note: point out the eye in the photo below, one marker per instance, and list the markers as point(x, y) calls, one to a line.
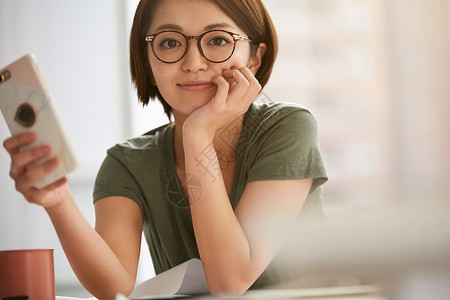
point(169, 43)
point(219, 40)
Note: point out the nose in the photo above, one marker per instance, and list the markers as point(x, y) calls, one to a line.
point(193, 60)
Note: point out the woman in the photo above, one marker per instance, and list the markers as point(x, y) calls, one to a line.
point(246, 170)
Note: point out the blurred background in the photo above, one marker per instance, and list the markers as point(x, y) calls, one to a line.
point(375, 73)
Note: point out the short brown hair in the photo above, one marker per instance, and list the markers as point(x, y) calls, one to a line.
point(250, 15)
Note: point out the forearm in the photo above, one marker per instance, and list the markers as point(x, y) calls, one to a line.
point(222, 242)
point(94, 263)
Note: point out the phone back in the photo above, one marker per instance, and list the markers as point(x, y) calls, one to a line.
point(26, 105)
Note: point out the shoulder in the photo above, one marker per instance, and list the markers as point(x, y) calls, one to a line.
point(283, 144)
point(154, 140)
point(284, 116)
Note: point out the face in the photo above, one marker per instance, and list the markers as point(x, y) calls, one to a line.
point(186, 85)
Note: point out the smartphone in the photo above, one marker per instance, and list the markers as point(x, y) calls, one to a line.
point(27, 106)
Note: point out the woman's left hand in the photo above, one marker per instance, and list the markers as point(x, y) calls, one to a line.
point(236, 90)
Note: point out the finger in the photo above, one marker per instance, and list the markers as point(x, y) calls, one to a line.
point(54, 185)
point(13, 143)
point(223, 88)
point(24, 158)
point(236, 75)
point(254, 88)
point(242, 75)
point(238, 92)
point(246, 90)
point(35, 195)
point(239, 80)
point(254, 83)
point(20, 160)
point(31, 176)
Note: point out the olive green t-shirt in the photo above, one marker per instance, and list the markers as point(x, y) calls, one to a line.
point(278, 142)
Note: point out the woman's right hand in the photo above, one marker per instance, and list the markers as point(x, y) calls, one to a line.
point(26, 177)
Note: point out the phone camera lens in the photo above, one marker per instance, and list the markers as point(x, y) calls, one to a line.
point(5, 75)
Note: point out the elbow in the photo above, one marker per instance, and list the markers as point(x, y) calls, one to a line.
point(229, 287)
point(227, 291)
point(108, 293)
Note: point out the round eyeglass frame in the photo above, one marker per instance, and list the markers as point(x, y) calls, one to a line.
point(236, 37)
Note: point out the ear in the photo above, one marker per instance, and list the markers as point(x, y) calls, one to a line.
point(255, 61)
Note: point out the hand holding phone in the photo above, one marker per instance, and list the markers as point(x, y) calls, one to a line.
point(27, 106)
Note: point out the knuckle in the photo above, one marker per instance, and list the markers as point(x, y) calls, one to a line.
point(28, 179)
point(15, 161)
point(224, 82)
point(29, 197)
point(256, 86)
point(17, 186)
point(8, 147)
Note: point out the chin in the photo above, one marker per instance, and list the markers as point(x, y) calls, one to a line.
point(193, 107)
point(188, 108)
point(193, 102)
point(189, 102)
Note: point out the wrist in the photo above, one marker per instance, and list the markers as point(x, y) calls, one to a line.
point(196, 135)
point(61, 200)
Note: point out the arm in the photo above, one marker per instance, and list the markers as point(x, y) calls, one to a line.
point(105, 261)
point(236, 247)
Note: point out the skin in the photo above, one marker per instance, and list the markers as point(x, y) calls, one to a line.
point(235, 246)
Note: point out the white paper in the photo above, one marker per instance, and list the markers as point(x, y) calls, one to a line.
point(187, 278)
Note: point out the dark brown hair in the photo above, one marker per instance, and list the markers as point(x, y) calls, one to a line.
point(250, 15)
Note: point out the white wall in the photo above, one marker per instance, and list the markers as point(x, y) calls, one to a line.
point(419, 64)
point(82, 49)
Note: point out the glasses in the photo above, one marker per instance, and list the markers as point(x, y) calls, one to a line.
point(216, 46)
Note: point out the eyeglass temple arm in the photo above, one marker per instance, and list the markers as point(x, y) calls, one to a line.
point(238, 37)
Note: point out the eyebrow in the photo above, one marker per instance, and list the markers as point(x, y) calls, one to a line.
point(171, 26)
point(168, 26)
point(219, 25)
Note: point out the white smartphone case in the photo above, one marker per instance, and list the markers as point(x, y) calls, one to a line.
point(26, 105)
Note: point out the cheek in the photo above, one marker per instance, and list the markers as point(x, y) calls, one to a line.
point(238, 60)
point(161, 73)
point(240, 56)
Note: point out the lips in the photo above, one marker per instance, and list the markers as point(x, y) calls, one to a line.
point(193, 86)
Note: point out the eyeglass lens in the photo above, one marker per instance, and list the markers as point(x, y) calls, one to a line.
point(216, 46)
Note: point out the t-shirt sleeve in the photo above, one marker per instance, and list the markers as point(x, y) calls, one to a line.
point(290, 150)
point(114, 179)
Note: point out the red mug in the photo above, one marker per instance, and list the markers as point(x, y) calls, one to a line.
point(27, 273)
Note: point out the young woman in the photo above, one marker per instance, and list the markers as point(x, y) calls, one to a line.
point(221, 182)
